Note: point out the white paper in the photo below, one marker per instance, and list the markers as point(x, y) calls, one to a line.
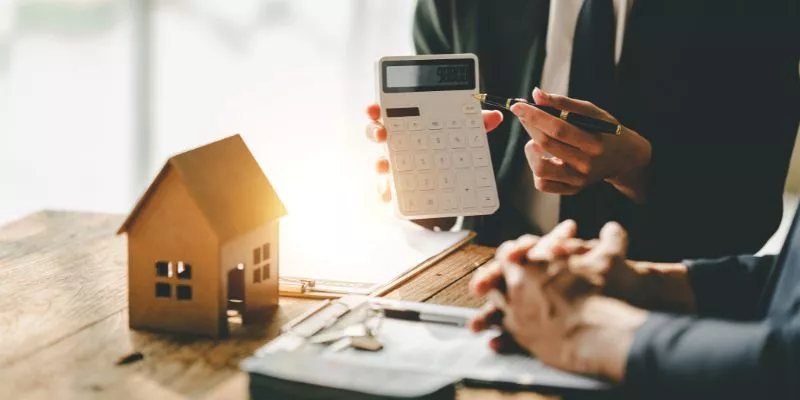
point(357, 250)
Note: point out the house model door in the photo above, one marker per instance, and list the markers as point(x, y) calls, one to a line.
point(236, 289)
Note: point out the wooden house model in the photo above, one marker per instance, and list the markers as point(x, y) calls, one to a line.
point(203, 243)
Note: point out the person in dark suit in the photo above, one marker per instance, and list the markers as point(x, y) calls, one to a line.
point(726, 328)
point(708, 91)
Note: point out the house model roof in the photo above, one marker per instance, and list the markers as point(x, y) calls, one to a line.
point(226, 183)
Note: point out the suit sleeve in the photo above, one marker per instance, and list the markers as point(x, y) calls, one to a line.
point(687, 358)
point(432, 27)
point(729, 287)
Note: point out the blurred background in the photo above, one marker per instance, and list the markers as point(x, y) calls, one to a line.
point(96, 94)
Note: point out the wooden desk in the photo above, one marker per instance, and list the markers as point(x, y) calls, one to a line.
point(64, 318)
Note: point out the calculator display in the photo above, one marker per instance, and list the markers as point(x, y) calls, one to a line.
point(428, 75)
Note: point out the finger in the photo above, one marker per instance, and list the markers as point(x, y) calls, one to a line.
point(551, 168)
point(488, 317)
point(516, 249)
point(556, 130)
point(486, 278)
point(497, 297)
point(376, 132)
point(566, 286)
point(571, 155)
point(433, 224)
point(573, 247)
point(374, 112)
point(522, 288)
point(614, 239)
point(582, 107)
point(544, 247)
point(504, 343)
point(382, 165)
point(547, 186)
point(384, 191)
point(492, 119)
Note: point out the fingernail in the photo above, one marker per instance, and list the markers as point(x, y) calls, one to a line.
point(518, 110)
point(541, 92)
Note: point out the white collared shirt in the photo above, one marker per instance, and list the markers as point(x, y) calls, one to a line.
point(542, 209)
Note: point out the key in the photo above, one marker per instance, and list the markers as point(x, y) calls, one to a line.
point(368, 343)
point(340, 344)
point(328, 337)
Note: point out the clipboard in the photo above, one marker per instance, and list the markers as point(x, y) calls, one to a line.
point(443, 350)
point(333, 289)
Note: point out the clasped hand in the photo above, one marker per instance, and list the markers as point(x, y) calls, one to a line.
point(554, 301)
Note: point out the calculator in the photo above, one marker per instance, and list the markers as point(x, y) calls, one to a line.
point(436, 141)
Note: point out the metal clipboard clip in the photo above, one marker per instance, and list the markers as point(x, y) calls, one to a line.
point(323, 316)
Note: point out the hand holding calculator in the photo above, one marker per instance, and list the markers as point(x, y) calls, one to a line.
point(436, 143)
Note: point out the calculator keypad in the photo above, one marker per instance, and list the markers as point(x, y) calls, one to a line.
point(442, 166)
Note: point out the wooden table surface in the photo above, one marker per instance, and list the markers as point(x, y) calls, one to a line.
point(64, 318)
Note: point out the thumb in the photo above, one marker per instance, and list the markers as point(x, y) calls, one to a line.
point(565, 103)
point(614, 239)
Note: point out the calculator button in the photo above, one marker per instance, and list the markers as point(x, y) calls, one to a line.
point(487, 198)
point(453, 123)
point(468, 197)
point(395, 125)
point(465, 179)
point(404, 161)
point(449, 201)
point(457, 140)
point(415, 125)
point(430, 202)
point(398, 141)
point(419, 141)
point(461, 159)
point(438, 140)
point(423, 160)
point(426, 181)
point(477, 139)
point(471, 109)
point(442, 160)
point(408, 181)
point(447, 180)
point(483, 176)
point(474, 123)
point(434, 125)
point(480, 159)
point(410, 203)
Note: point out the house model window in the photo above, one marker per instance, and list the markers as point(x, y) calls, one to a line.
point(163, 290)
point(184, 292)
point(164, 269)
point(261, 271)
point(184, 270)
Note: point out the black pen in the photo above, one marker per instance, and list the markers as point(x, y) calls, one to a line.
point(412, 315)
point(581, 121)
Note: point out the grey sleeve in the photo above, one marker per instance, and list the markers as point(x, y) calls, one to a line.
point(681, 357)
point(729, 287)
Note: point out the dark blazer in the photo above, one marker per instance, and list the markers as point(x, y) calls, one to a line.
point(746, 347)
point(712, 84)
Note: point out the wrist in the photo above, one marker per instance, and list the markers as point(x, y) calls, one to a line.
point(632, 179)
point(665, 287)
